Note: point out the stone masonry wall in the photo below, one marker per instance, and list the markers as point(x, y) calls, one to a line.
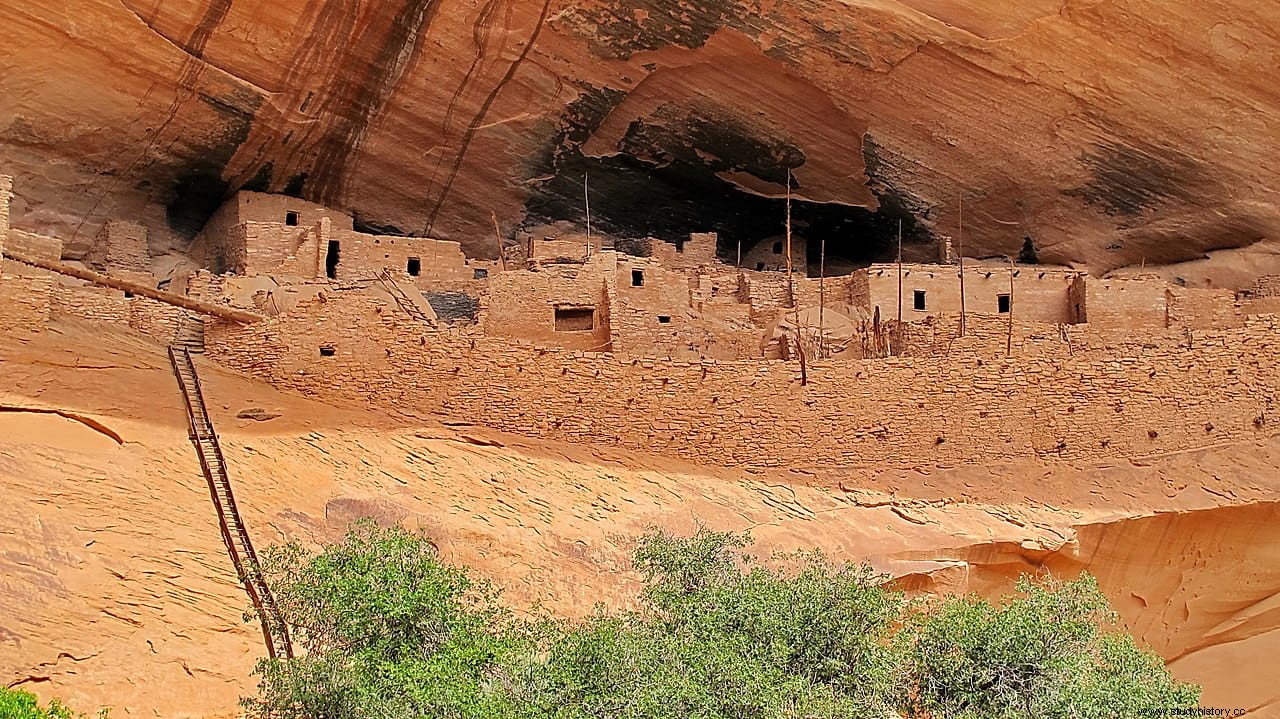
point(1201, 309)
point(1125, 304)
point(120, 245)
point(1118, 399)
point(6, 194)
point(38, 246)
point(522, 305)
point(24, 300)
point(441, 263)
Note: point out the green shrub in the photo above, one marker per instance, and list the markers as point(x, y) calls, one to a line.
point(386, 630)
point(17, 704)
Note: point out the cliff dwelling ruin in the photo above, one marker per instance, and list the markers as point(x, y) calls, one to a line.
point(963, 292)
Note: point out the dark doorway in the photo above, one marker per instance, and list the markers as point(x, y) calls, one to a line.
point(331, 260)
point(415, 267)
point(1002, 303)
point(637, 278)
point(919, 299)
point(291, 219)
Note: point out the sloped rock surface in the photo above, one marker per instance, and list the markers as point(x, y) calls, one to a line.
point(1112, 133)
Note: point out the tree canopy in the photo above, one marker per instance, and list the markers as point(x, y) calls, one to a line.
point(388, 630)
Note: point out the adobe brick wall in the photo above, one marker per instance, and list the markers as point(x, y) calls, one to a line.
point(762, 258)
point(697, 251)
point(1126, 398)
point(1127, 303)
point(38, 246)
point(6, 194)
point(679, 313)
point(522, 305)
point(120, 245)
point(157, 320)
point(24, 300)
point(442, 263)
point(1039, 295)
point(266, 208)
point(1201, 308)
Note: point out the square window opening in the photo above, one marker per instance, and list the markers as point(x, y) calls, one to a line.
point(415, 266)
point(664, 319)
point(328, 350)
point(480, 273)
point(575, 319)
point(918, 299)
point(291, 219)
point(759, 267)
point(1003, 303)
point(637, 278)
point(777, 248)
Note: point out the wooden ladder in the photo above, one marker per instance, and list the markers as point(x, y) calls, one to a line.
point(190, 333)
point(398, 294)
point(234, 533)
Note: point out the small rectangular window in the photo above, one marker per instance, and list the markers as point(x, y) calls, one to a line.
point(637, 278)
point(480, 273)
point(664, 320)
point(415, 267)
point(680, 247)
point(1002, 303)
point(759, 267)
point(919, 299)
point(291, 219)
point(327, 351)
point(575, 319)
point(777, 248)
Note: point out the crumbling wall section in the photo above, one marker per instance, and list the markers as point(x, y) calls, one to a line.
point(120, 246)
point(1201, 308)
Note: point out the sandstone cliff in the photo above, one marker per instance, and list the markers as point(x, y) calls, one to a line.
point(1111, 133)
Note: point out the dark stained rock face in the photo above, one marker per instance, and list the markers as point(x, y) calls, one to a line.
point(1111, 133)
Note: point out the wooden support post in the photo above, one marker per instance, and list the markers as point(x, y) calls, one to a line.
point(791, 290)
point(961, 252)
point(822, 297)
point(497, 233)
point(899, 273)
point(1008, 343)
point(586, 198)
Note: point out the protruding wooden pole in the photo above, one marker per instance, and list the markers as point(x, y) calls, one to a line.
point(497, 233)
point(206, 308)
point(1008, 344)
point(822, 297)
point(586, 199)
point(961, 251)
point(790, 286)
point(899, 273)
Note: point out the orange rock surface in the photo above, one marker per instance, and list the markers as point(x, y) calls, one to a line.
point(1113, 133)
point(116, 590)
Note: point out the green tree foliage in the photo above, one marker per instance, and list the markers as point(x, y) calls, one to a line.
point(17, 704)
point(387, 630)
